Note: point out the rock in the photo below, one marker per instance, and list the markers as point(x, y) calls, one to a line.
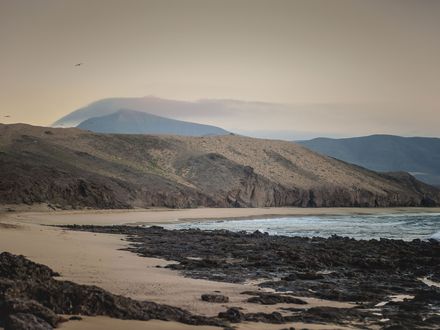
point(273, 317)
point(272, 299)
point(30, 295)
point(396, 327)
point(31, 307)
point(338, 268)
point(215, 298)
point(232, 314)
point(309, 276)
point(24, 321)
point(39, 165)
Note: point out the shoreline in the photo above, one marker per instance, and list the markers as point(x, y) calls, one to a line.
point(367, 273)
point(157, 216)
point(99, 259)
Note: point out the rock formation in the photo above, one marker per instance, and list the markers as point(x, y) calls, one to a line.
point(71, 168)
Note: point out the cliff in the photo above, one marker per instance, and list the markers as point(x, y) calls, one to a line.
point(71, 168)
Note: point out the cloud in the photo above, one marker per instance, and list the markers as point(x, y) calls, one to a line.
point(276, 120)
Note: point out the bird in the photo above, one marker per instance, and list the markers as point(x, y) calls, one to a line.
point(78, 64)
point(7, 116)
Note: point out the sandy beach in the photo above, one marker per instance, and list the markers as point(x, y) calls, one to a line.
point(97, 259)
point(43, 215)
point(104, 323)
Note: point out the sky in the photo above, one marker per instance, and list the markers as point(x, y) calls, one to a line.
point(317, 68)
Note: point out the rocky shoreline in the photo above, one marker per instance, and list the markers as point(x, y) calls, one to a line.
point(382, 277)
point(31, 298)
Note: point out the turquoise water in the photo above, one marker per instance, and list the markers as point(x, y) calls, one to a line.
point(393, 226)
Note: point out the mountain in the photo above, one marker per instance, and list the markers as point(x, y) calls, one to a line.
point(72, 168)
point(149, 104)
point(135, 122)
point(417, 155)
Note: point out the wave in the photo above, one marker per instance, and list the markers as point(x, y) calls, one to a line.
point(401, 226)
point(436, 236)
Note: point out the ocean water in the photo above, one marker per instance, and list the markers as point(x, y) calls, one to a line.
point(394, 226)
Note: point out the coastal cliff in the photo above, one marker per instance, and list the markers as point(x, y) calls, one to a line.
point(72, 168)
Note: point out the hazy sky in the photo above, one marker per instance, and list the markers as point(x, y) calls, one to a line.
point(374, 64)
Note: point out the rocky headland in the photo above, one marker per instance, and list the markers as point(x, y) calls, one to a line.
point(72, 168)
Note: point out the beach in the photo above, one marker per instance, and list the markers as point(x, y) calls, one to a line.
point(97, 259)
point(45, 216)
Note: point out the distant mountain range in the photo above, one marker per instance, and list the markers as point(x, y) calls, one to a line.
point(136, 122)
point(151, 115)
point(73, 168)
point(152, 105)
point(419, 156)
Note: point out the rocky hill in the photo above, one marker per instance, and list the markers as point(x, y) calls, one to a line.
point(418, 155)
point(71, 168)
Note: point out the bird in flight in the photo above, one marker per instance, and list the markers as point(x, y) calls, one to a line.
point(78, 64)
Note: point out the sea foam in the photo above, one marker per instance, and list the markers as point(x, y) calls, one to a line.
point(406, 226)
point(436, 236)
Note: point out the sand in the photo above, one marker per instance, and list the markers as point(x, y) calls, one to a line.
point(89, 258)
point(105, 323)
point(158, 216)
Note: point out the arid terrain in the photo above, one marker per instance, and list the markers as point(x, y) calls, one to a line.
point(219, 165)
point(106, 272)
point(71, 168)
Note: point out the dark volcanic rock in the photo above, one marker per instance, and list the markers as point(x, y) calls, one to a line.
point(24, 321)
point(233, 315)
point(313, 315)
point(215, 298)
point(27, 307)
point(273, 317)
point(30, 298)
point(331, 314)
point(310, 276)
point(337, 268)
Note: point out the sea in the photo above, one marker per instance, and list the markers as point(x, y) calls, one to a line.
point(407, 227)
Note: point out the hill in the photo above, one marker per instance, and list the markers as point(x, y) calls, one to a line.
point(75, 168)
point(152, 105)
point(136, 122)
point(419, 156)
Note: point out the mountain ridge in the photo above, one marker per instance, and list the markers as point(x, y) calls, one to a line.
point(149, 104)
point(381, 152)
point(72, 168)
